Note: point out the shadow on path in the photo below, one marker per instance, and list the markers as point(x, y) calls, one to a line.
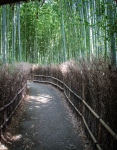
point(45, 125)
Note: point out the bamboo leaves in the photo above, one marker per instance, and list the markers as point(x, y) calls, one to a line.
point(59, 30)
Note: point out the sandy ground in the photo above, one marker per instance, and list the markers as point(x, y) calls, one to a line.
point(44, 123)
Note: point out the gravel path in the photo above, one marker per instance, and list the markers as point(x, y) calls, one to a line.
point(45, 124)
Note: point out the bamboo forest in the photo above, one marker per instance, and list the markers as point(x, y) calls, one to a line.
point(55, 54)
point(56, 31)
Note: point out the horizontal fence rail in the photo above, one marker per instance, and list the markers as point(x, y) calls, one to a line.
point(61, 85)
point(8, 110)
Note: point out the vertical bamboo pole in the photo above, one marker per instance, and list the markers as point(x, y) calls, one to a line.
point(4, 38)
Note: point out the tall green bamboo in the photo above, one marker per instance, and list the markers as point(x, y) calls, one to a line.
point(19, 38)
point(14, 35)
point(4, 37)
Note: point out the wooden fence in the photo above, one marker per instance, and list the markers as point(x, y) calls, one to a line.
point(103, 136)
point(8, 110)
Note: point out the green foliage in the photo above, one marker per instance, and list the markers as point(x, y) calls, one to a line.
point(59, 29)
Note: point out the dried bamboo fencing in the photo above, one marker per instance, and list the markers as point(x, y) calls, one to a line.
point(104, 138)
point(7, 111)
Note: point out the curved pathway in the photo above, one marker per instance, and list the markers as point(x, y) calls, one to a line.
point(45, 125)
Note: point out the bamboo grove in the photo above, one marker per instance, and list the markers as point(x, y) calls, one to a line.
point(58, 30)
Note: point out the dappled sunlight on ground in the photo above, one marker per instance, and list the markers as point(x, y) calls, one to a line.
point(39, 99)
point(16, 137)
point(3, 147)
point(9, 139)
point(42, 98)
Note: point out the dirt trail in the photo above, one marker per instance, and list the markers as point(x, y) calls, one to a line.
point(45, 125)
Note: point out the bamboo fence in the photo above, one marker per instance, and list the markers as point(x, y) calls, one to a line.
point(104, 138)
point(7, 111)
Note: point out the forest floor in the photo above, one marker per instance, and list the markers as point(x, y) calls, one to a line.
point(44, 122)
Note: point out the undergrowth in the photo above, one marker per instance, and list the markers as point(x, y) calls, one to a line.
point(12, 79)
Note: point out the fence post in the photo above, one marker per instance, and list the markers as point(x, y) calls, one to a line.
point(99, 129)
point(70, 88)
point(99, 132)
point(83, 97)
point(63, 84)
point(57, 80)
